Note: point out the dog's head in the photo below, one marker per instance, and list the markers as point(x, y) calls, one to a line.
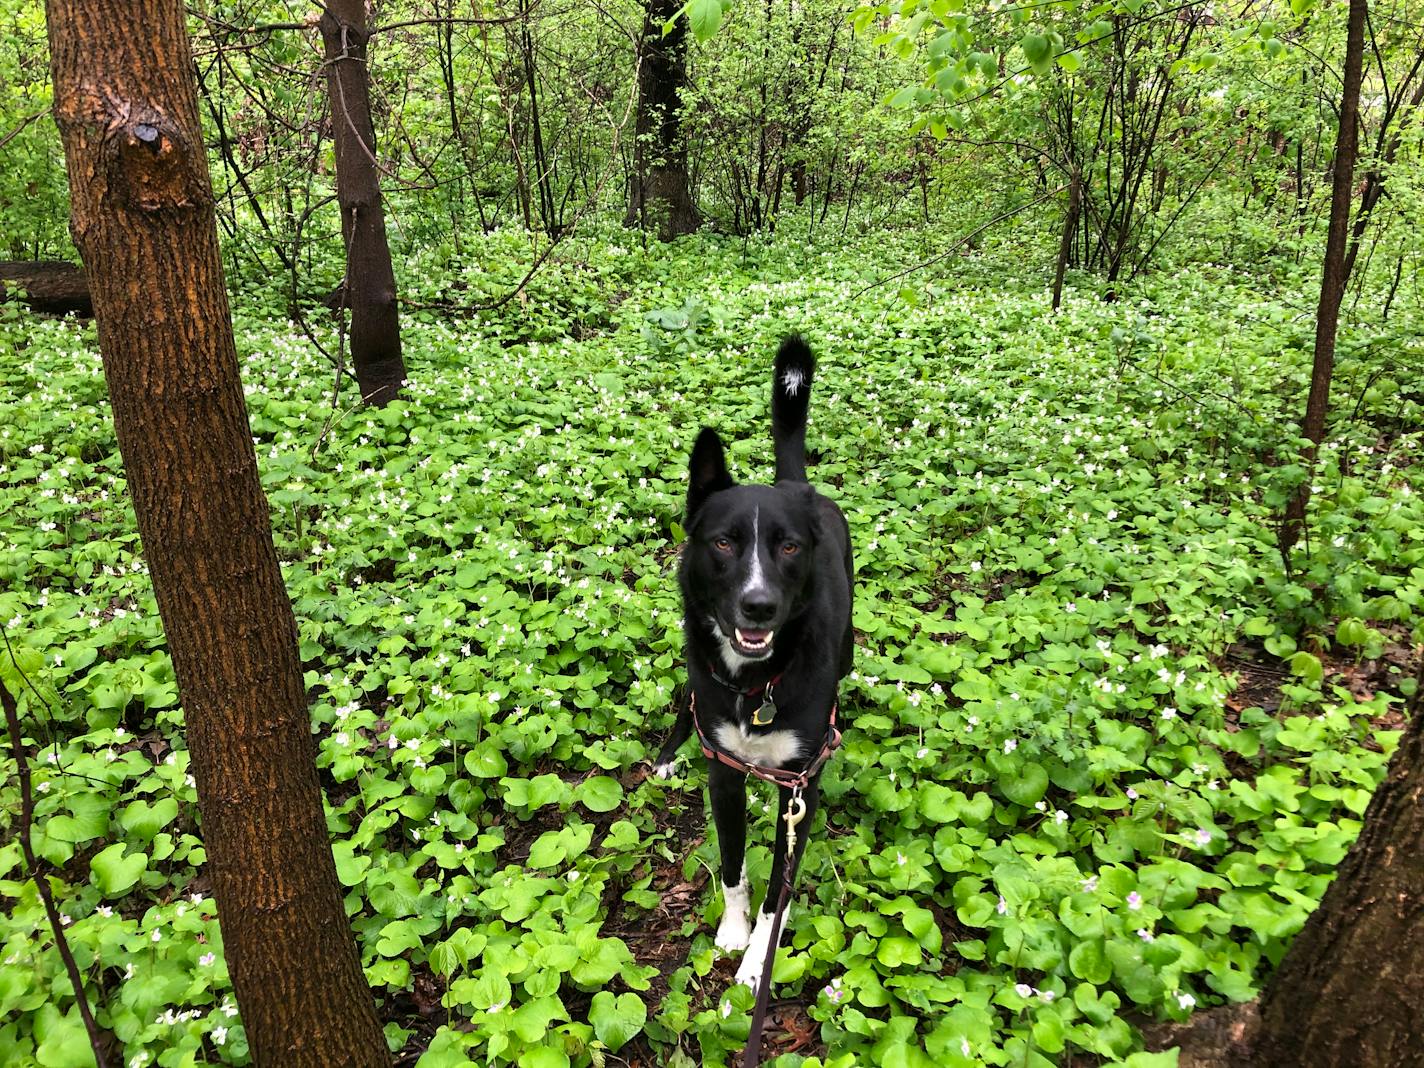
point(747, 567)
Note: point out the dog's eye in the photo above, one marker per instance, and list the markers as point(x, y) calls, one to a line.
point(723, 544)
point(791, 548)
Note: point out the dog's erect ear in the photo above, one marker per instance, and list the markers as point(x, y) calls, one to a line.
point(708, 470)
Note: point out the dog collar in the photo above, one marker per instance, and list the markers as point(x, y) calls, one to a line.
point(728, 684)
point(765, 712)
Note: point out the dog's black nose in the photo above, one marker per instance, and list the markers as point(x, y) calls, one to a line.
point(758, 608)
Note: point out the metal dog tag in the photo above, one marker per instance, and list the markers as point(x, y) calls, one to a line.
point(766, 711)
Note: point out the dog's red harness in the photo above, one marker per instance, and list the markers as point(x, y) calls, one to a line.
point(791, 780)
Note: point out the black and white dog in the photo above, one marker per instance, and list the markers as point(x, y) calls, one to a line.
point(766, 589)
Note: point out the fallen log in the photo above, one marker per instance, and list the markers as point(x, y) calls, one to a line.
point(51, 286)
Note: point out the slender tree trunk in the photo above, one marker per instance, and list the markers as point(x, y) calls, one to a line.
point(1070, 227)
point(543, 176)
point(1333, 277)
point(1348, 992)
point(143, 220)
point(1375, 176)
point(369, 289)
point(661, 196)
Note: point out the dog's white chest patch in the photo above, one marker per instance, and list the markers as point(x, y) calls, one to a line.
point(769, 749)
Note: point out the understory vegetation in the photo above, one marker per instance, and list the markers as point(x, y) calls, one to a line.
point(1103, 750)
point(1118, 312)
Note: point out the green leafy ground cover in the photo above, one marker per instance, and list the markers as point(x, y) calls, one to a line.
point(1103, 752)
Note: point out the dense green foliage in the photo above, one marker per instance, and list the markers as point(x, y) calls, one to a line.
point(1050, 812)
point(1104, 748)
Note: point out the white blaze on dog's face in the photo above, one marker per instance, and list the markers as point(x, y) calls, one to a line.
point(747, 568)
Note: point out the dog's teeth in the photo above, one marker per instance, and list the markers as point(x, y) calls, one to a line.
point(754, 643)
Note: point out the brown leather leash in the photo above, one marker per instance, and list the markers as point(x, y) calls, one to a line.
point(796, 782)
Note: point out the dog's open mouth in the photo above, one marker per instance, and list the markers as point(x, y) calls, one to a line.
point(752, 642)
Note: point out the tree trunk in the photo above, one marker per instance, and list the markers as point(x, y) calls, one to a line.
point(51, 286)
point(661, 198)
point(1348, 992)
point(1375, 176)
point(143, 220)
point(1070, 227)
point(543, 172)
point(370, 283)
point(1333, 277)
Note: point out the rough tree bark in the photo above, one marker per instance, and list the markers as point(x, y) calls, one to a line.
point(1348, 992)
point(143, 220)
point(1333, 277)
point(370, 284)
point(660, 197)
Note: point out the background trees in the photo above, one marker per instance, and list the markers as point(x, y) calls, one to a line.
point(1111, 744)
point(368, 288)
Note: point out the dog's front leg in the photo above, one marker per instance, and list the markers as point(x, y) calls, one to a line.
point(763, 935)
point(681, 730)
point(728, 792)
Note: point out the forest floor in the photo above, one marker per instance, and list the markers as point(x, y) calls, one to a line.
point(1103, 753)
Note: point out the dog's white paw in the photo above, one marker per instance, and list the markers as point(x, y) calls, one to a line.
point(749, 974)
point(665, 771)
point(733, 932)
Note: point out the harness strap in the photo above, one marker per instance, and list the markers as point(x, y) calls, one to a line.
point(775, 776)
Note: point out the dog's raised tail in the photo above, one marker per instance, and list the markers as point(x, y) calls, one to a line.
point(790, 398)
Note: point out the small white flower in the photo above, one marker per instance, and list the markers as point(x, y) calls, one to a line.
point(219, 1035)
point(1023, 990)
point(1144, 934)
point(1134, 901)
point(1010, 744)
point(964, 1046)
point(1003, 906)
point(1186, 1001)
point(1090, 884)
point(207, 960)
point(1202, 837)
